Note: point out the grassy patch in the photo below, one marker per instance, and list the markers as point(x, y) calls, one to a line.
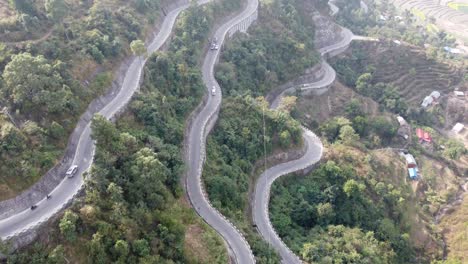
point(432, 28)
point(463, 7)
point(455, 227)
point(420, 14)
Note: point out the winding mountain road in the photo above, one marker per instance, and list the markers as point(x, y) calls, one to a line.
point(67, 189)
point(329, 73)
point(312, 155)
point(196, 141)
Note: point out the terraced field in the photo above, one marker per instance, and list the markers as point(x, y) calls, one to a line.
point(454, 21)
point(430, 8)
point(463, 7)
point(409, 70)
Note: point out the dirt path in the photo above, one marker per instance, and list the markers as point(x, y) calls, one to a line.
point(34, 41)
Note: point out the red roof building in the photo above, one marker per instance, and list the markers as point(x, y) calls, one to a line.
point(423, 135)
point(419, 133)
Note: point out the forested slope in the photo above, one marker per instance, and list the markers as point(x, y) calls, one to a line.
point(55, 57)
point(347, 209)
point(134, 210)
point(277, 48)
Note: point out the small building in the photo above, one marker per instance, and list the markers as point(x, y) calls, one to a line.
point(397, 42)
point(453, 50)
point(401, 121)
point(435, 95)
point(431, 99)
point(423, 136)
point(459, 94)
point(458, 127)
point(428, 100)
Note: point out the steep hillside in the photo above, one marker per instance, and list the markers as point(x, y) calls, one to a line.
point(55, 58)
point(277, 49)
point(133, 209)
point(405, 67)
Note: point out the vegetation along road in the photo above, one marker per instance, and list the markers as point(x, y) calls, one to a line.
point(313, 154)
point(84, 150)
point(196, 140)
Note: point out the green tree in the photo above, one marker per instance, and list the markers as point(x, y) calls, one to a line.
point(57, 256)
point(121, 249)
point(363, 83)
point(28, 22)
point(353, 109)
point(339, 244)
point(325, 213)
point(348, 136)
point(285, 138)
point(23, 6)
point(56, 131)
point(97, 249)
point(138, 48)
point(67, 225)
point(56, 9)
point(141, 247)
point(384, 128)
point(454, 149)
point(352, 188)
point(32, 83)
point(360, 125)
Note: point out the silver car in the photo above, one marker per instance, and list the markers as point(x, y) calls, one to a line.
point(71, 171)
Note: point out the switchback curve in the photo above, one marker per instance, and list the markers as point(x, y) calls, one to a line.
point(196, 142)
point(312, 155)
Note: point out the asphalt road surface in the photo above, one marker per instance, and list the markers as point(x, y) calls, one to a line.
point(62, 195)
point(329, 73)
point(312, 155)
point(238, 246)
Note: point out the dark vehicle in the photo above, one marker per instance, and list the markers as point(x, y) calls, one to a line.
point(33, 207)
point(48, 196)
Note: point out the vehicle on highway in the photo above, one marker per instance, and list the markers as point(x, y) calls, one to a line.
point(214, 44)
point(71, 171)
point(33, 207)
point(213, 90)
point(48, 196)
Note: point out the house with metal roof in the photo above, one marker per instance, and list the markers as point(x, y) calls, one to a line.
point(423, 136)
point(458, 127)
point(430, 99)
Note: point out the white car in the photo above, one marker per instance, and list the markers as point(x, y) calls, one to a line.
point(71, 171)
point(213, 90)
